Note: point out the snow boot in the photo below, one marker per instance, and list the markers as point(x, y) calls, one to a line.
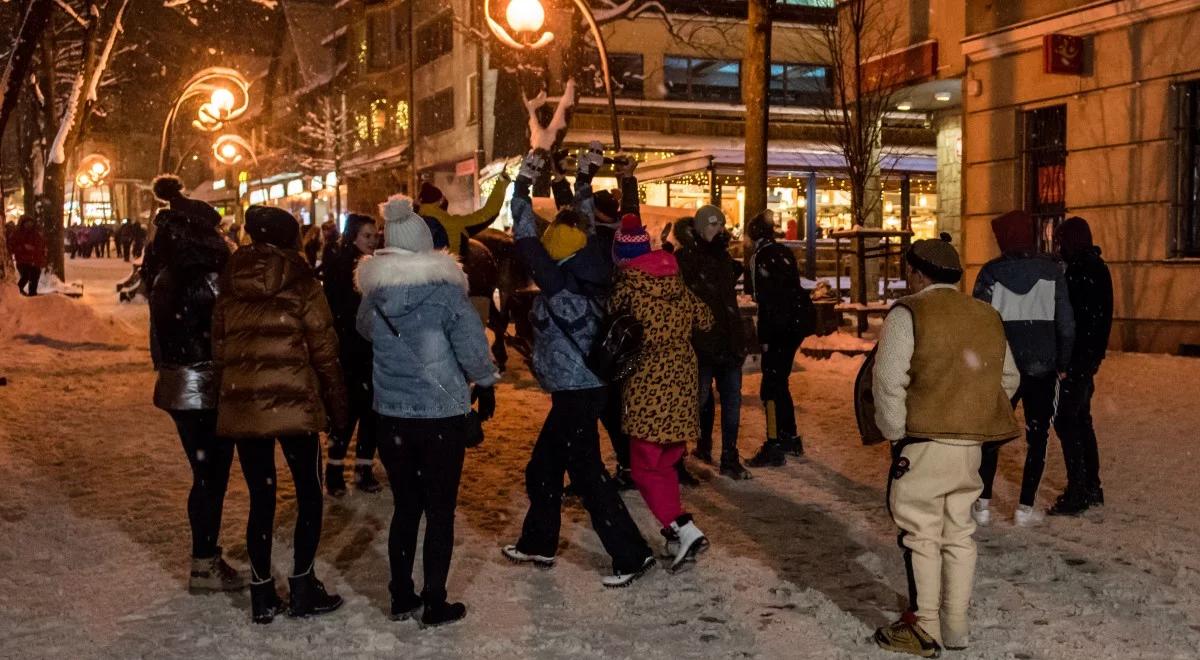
point(671, 548)
point(619, 580)
point(515, 556)
point(364, 478)
point(735, 470)
point(691, 542)
point(214, 574)
point(1027, 516)
point(982, 513)
point(771, 454)
point(907, 637)
point(265, 602)
point(335, 478)
point(793, 446)
point(309, 598)
point(685, 478)
point(405, 607)
point(439, 614)
point(1095, 496)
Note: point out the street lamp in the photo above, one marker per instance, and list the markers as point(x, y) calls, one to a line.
point(228, 97)
point(230, 149)
point(526, 18)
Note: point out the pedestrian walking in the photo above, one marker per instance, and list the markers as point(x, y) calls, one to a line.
point(786, 316)
point(359, 241)
point(429, 347)
point(574, 278)
point(711, 274)
point(942, 381)
point(1029, 290)
point(28, 250)
point(277, 352)
point(138, 238)
point(660, 401)
point(1089, 287)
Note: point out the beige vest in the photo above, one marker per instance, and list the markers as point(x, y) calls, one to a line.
point(957, 370)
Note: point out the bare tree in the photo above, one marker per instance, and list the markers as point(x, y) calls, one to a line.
point(325, 139)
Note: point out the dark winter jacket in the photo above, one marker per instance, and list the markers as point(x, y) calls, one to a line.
point(785, 309)
point(275, 348)
point(572, 296)
point(344, 299)
point(1090, 287)
point(181, 309)
point(27, 246)
point(710, 273)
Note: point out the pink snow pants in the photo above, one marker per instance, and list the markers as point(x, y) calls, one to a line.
point(653, 468)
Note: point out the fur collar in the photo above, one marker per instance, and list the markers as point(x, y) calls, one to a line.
point(393, 267)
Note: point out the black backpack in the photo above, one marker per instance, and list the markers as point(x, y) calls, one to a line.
point(617, 349)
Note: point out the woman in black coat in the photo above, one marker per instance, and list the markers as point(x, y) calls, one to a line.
point(360, 239)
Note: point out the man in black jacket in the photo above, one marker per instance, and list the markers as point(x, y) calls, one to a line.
point(1090, 287)
point(712, 275)
point(785, 317)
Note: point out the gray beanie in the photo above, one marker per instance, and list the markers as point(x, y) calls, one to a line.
point(402, 227)
point(707, 215)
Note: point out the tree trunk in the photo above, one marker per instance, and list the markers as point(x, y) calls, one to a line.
point(50, 203)
point(755, 69)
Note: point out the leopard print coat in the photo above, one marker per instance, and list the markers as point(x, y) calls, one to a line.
point(660, 401)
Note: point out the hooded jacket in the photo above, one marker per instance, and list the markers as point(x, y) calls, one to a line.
point(181, 311)
point(275, 348)
point(660, 401)
point(785, 308)
point(344, 300)
point(422, 369)
point(27, 246)
point(1089, 285)
point(711, 274)
point(1030, 292)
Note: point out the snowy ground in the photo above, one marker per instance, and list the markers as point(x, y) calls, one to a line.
point(93, 536)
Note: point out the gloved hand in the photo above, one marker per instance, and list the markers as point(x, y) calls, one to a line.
point(592, 160)
point(533, 166)
point(486, 396)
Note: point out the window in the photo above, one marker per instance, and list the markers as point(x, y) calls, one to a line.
point(1045, 164)
point(1187, 242)
point(379, 42)
point(800, 84)
point(693, 79)
point(628, 77)
point(434, 39)
point(435, 113)
point(401, 33)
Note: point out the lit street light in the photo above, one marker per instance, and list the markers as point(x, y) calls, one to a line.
point(526, 18)
point(228, 94)
point(230, 149)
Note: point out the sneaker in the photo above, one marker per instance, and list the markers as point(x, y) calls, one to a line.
point(910, 638)
point(364, 479)
point(335, 479)
point(405, 607)
point(735, 470)
point(442, 613)
point(265, 602)
point(1027, 516)
point(308, 597)
point(214, 574)
point(619, 580)
point(1068, 504)
point(515, 556)
point(686, 478)
point(771, 454)
point(692, 542)
point(702, 456)
point(982, 513)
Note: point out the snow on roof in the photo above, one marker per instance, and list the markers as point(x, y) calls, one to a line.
point(308, 24)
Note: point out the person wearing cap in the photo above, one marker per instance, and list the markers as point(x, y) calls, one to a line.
point(1029, 290)
point(275, 348)
point(786, 316)
point(943, 377)
point(432, 203)
point(574, 278)
point(429, 348)
point(711, 274)
point(1089, 286)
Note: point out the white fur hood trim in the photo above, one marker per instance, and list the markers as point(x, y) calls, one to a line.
point(392, 267)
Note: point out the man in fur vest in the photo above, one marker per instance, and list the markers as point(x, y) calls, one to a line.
point(943, 378)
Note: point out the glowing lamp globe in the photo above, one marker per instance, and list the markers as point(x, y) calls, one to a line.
point(83, 180)
point(98, 169)
point(222, 101)
point(525, 15)
point(229, 151)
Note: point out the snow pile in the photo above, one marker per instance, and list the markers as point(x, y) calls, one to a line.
point(838, 341)
point(59, 318)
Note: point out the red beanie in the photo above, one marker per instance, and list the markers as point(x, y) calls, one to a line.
point(1015, 232)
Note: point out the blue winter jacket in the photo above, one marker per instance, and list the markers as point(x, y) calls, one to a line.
point(1030, 292)
point(573, 290)
point(424, 372)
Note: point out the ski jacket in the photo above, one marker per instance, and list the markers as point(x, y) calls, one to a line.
point(785, 309)
point(27, 247)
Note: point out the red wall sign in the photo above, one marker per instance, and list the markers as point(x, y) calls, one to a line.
point(1062, 53)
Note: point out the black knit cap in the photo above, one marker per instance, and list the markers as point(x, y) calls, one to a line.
point(267, 224)
point(936, 259)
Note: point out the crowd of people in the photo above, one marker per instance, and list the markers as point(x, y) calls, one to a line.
point(378, 340)
point(126, 240)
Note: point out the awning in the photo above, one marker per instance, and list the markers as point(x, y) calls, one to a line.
point(205, 193)
point(387, 158)
point(733, 162)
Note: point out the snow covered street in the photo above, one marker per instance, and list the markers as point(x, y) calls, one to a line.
point(804, 563)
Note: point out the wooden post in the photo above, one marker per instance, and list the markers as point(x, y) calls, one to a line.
point(755, 75)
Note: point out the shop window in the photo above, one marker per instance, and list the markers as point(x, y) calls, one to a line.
point(401, 32)
point(800, 84)
point(435, 38)
point(1187, 243)
point(694, 79)
point(627, 70)
point(435, 114)
point(379, 42)
point(1045, 165)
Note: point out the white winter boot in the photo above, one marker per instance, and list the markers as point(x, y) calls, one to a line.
point(982, 513)
point(691, 542)
point(1027, 516)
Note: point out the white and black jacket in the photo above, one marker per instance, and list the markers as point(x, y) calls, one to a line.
point(1030, 292)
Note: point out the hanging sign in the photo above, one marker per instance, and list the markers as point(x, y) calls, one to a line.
point(1062, 53)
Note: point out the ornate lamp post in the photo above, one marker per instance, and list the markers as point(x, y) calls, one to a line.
point(228, 97)
point(93, 171)
point(526, 18)
point(231, 150)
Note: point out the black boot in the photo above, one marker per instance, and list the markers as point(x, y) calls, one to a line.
point(624, 478)
point(734, 469)
point(793, 446)
point(1069, 503)
point(364, 479)
point(770, 455)
point(405, 606)
point(335, 479)
point(308, 597)
point(265, 602)
point(439, 614)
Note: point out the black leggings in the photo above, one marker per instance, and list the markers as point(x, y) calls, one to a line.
point(361, 395)
point(424, 460)
point(303, 455)
point(30, 275)
point(775, 391)
point(1038, 394)
point(210, 458)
